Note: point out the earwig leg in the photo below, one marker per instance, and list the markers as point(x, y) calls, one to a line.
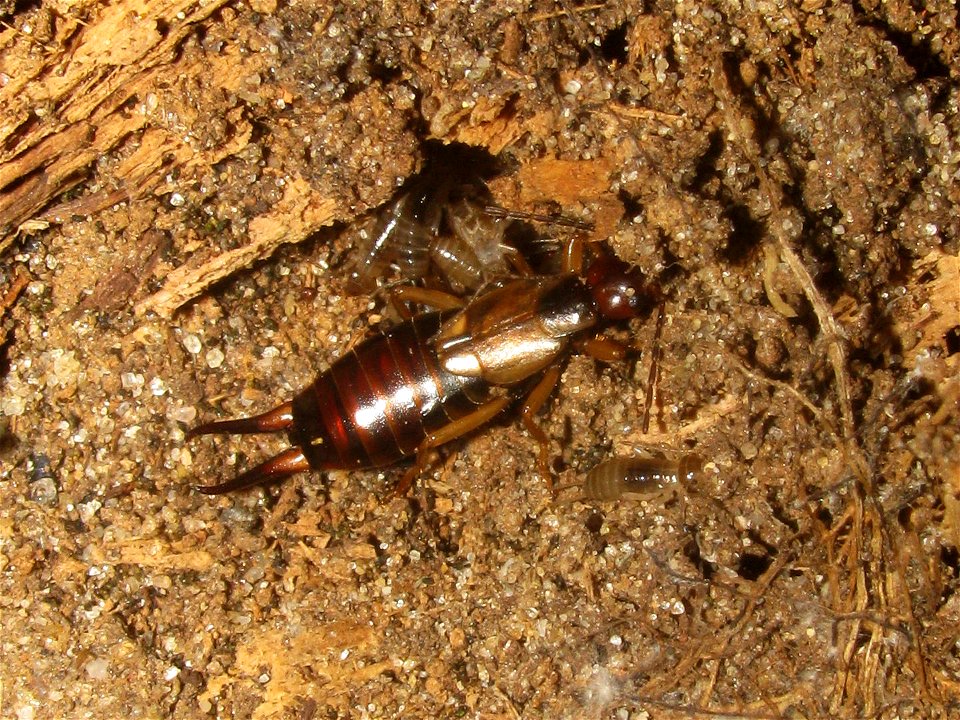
point(517, 261)
point(436, 299)
point(535, 400)
point(280, 418)
point(424, 460)
point(573, 255)
point(603, 349)
point(558, 490)
point(276, 468)
point(654, 370)
point(451, 431)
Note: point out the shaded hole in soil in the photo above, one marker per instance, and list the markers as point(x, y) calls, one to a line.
point(383, 72)
point(832, 283)
point(446, 546)
point(746, 235)
point(822, 514)
point(631, 206)
point(5, 352)
point(594, 522)
point(21, 7)
point(779, 512)
point(918, 54)
point(8, 440)
point(463, 161)
point(950, 557)
point(752, 567)
point(952, 339)
point(904, 517)
point(613, 46)
point(706, 166)
point(378, 548)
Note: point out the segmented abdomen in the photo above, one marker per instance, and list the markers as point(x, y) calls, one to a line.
point(401, 236)
point(376, 404)
point(639, 476)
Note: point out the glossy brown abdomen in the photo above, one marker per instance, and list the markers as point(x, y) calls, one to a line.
point(377, 403)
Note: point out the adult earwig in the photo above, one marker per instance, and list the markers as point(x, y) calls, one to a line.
point(622, 477)
point(437, 377)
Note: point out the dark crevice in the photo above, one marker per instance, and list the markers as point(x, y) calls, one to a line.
point(917, 52)
point(774, 500)
point(706, 166)
point(745, 237)
point(950, 558)
point(823, 514)
point(613, 46)
point(383, 73)
point(631, 206)
point(752, 567)
point(952, 339)
point(692, 552)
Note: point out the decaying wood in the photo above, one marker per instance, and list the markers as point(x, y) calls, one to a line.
point(118, 56)
point(92, 90)
point(298, 214)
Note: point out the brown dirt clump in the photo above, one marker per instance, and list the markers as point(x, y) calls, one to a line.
point(180, 187)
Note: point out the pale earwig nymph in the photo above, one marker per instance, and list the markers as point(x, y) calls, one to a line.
point(436, 225)
point(444, 226)
point(639, 477)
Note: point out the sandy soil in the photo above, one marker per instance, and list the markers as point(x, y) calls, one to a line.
point(180, 190)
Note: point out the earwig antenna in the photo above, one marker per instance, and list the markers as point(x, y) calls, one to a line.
point(562, 220)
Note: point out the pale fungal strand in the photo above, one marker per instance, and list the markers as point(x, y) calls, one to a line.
point(639, 477)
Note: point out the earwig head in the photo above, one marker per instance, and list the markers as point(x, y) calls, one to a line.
point(689, 467)
point(619, 289)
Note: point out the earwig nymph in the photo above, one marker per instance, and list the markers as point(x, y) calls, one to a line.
point(639, 477)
